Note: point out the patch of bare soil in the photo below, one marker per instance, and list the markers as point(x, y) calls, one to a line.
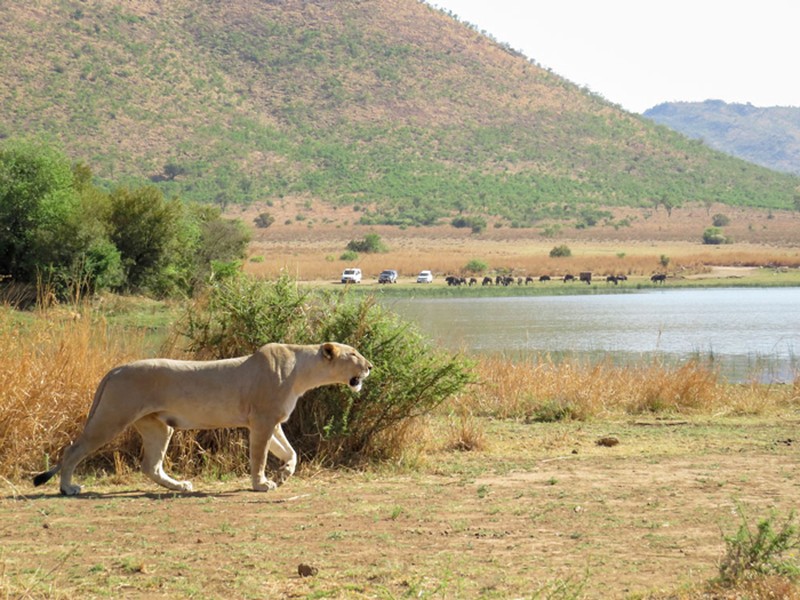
point(717, 272)
point(543, 507)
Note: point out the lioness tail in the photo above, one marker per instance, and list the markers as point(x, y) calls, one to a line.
point(46, 476)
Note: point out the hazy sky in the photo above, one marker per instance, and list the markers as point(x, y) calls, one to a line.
point(638, 53)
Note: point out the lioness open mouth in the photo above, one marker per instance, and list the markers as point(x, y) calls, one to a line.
point(355, 383)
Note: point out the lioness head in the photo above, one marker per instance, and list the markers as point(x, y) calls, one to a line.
point(348, 362)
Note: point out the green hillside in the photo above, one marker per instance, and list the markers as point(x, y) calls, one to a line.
point(388, 105)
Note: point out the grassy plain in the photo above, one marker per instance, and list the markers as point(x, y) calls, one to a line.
point(541, 481)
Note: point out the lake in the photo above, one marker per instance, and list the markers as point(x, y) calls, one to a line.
point(750, 334)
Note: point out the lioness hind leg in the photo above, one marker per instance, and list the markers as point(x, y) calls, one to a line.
point(93, 437)
point(281, 448)
point(155, 439)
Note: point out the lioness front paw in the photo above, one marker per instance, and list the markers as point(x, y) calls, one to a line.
point(185, 486)
point(267, 485)
point(70, 490)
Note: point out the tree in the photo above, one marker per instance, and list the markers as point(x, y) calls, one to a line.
point(173, 170)
point(144, 228)
point(35, 193)
point(53, 222)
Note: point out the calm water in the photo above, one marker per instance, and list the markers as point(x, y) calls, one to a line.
point(749, 333)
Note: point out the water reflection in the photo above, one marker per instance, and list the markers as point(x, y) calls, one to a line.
point(749, 333)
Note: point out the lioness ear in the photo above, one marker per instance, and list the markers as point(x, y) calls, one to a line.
point(330, 351)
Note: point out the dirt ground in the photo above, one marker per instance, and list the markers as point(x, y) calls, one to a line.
point(543, 511)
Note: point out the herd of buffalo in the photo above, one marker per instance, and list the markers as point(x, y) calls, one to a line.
point(506, 280)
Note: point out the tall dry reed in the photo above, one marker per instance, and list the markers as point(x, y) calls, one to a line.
point(545, 390)
point(50, 365)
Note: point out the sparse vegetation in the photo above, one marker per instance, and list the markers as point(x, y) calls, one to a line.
point(768, 550)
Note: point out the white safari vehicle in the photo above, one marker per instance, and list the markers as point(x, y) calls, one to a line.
point(351, 276)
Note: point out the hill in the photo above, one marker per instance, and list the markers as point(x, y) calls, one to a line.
point(769, 137)
point(390, 106)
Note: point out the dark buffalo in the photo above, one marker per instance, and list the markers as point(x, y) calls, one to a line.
point(544, 278)
point(528, 280)
point(659, 278)
point(586, 276)
point(568, 277)
point(487, 281)
point(453, 280)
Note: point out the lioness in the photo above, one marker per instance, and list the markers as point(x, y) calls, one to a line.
point(258, 391)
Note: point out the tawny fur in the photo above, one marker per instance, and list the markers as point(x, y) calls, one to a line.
point(258, 391)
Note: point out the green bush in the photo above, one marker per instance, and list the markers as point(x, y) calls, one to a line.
point(264, 220)
point(476, 224)
point(715, 236)
point(763, 552)
point(331, 424)
point(720, 220)
point(560, 251)
point(371, 243)
point(476, 266)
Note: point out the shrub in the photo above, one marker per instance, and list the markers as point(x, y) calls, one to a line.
point(715, 236)
point(476, 224)
point(264, 220)
point(560, 251)
point(763, 552)
point(371, 243)
point(476, 266)
point(330, 424)
point(720, 220)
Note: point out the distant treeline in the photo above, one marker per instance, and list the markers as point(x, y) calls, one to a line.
point(59, 230)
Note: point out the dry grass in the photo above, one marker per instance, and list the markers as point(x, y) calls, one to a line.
point(545, 390)
point(49, 368)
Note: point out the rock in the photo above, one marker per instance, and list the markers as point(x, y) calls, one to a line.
point(608, 442)
point(305, 570)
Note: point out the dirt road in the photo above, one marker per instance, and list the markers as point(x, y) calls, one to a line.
point(544, 508)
